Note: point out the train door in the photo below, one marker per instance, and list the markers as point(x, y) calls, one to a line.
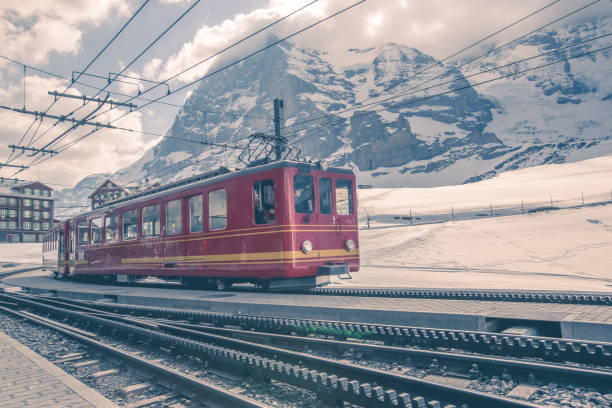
point(329, 224)
point(335, 213)
point(61, 253)
point(72, 250)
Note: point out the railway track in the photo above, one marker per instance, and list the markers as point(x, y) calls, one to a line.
point(332, 381)
point(544, 348)
point(321, 369)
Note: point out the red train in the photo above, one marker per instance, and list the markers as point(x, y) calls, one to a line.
point(279, 225)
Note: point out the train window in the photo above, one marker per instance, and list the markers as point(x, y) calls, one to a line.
point(83, 233)
point(112, 230)
point(173, 217)
point(217, 209)
point(303, 193)
point(195, 213)
point(150, 221)
point(130, 225)
point(263, 201)
point(325, 196)
point(96, 230)
point(344, 197)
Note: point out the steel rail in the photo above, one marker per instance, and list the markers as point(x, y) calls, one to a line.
point(547, 348)
point(472, 364)
point(315, 377)
point(209, 392)
point(490, 295)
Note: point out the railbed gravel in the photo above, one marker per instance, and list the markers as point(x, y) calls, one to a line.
point(549, 394)
point(51, 345)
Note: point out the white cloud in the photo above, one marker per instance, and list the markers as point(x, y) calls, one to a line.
point(436, 27)
point(32, 29)
point(105, 151)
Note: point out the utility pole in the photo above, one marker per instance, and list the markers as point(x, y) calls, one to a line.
point(281, 142)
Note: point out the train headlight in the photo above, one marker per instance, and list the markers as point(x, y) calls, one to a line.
point(306, 247)
point(349, 245)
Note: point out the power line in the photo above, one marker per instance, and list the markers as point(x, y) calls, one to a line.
point(30, 67)
point(87, 67)
point(400, 104)
point(132, 62)
point(230, 46)
point(361, 106)
point(233, 63)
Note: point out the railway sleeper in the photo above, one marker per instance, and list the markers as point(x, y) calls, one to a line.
point(353, 391)
point(551, 350)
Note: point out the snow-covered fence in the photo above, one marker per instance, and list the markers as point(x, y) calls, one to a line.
point(370, 217)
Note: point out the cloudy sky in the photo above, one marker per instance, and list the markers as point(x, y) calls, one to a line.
point(62, 37)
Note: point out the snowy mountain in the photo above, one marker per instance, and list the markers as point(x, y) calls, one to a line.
point(413, 136)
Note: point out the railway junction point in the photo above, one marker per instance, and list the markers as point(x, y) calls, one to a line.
point(578, 321)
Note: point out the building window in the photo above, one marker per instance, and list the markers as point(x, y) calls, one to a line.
point(3, 225)
point(150, 221)
point(3, 212)
point(27, 225)
point(263, 201)
point(36, 215)
point(27, 202)
point(325, 196)
point(45, 214)
point(12, 201)
point(112, 232)
point(36, 226)
point(47, 193)
point(26, 214)
point(173, 217)
point(27, 191)
point(83, 233)
point(12, 225)
point(344, 197)
point(195, 213)
point(303, 193)
point(130, 225)
point(3, 200)
point(29, 237)
point(36, 203)
point(96, 230)
point(13, 213)
point(45, 204)
point(217, 209)
point(45, 226)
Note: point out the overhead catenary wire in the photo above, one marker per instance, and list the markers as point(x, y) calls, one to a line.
point(230, 65)
point(412, 101)
point(489, 52)
point(442, 93)
point(225, 49)
point(127, 66)
point(88, 65)
point(139, 97)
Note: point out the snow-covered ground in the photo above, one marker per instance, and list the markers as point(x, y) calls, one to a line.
point(535, 184)
point(26, 253)
point(557, 250)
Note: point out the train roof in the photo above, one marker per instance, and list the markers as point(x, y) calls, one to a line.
point(220, 174)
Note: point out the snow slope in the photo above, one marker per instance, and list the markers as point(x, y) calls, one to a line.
point(557, 250)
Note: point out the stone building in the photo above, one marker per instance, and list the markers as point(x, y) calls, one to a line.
point(26, 210)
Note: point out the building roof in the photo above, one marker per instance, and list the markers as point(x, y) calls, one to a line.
point(107, 185)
